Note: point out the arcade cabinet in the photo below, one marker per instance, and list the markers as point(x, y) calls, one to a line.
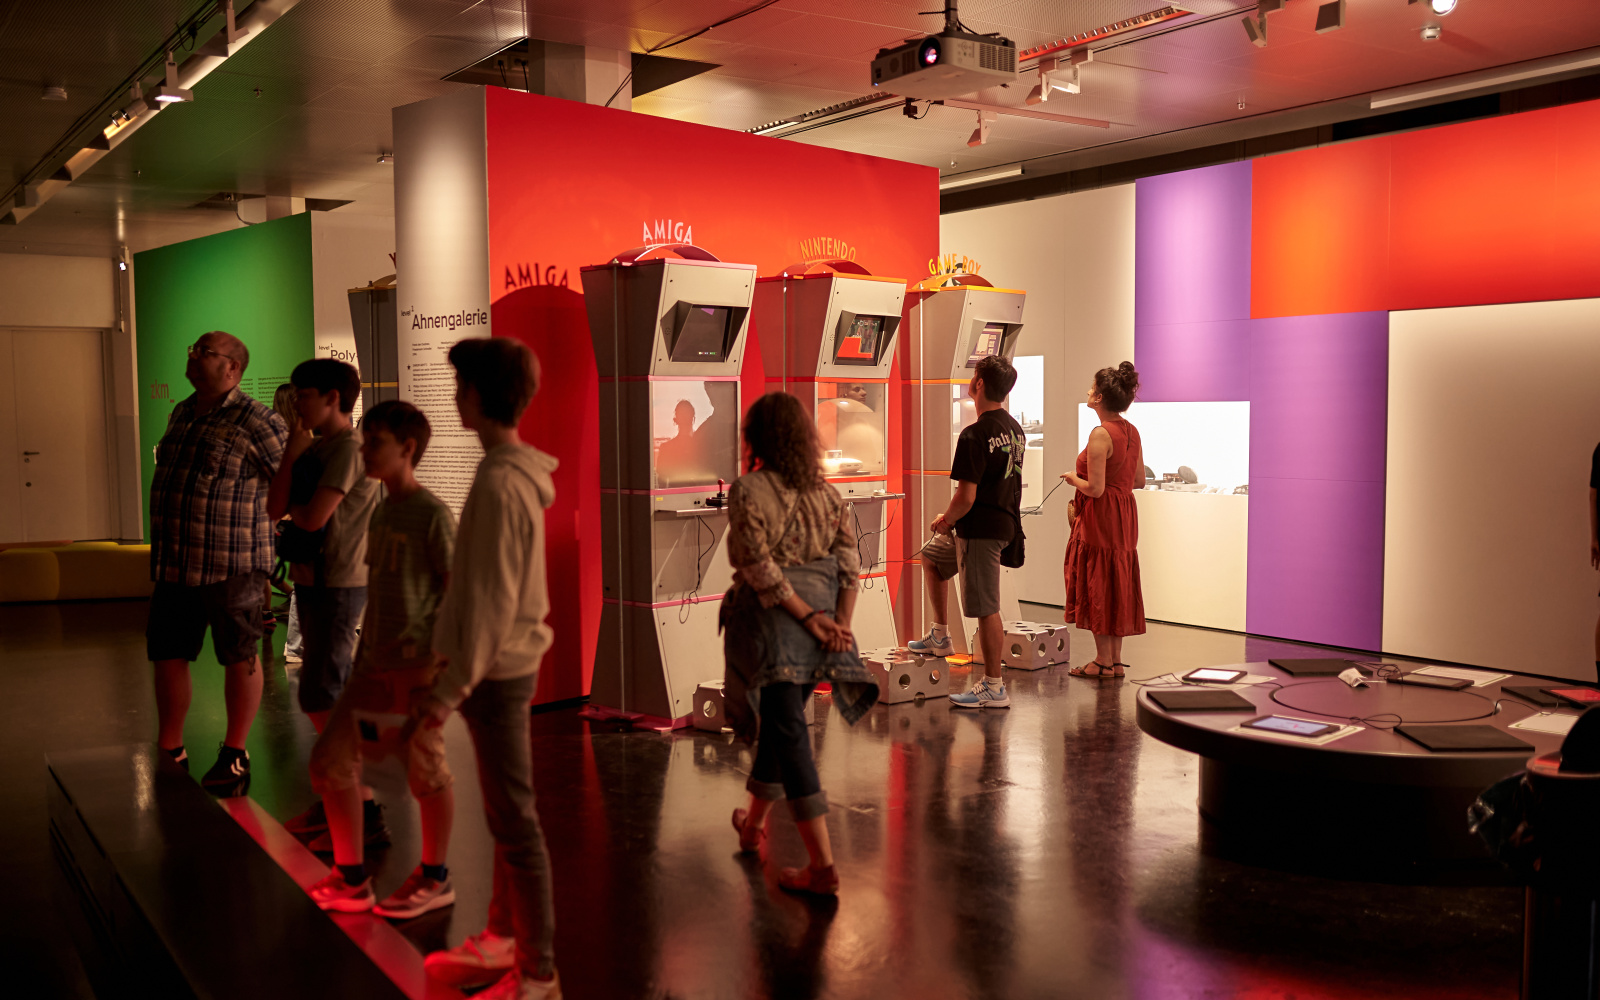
point(668, 324)
point(953, 321)
point(827, 333)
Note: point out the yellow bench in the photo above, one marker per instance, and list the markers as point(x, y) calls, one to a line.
point(79, 571)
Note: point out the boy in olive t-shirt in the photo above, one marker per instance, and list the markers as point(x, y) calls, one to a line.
point(409, 547)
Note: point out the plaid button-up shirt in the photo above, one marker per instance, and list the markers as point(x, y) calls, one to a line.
point(208, 499)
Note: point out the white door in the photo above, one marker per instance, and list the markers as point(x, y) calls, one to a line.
point(57, 434)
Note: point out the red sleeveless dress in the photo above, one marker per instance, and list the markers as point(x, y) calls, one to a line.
point(1102, 565)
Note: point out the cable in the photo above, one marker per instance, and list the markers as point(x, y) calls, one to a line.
point(699, 571)
point(763, 5)
point(868, 585)
point(1373, 720)
point(1039, 507)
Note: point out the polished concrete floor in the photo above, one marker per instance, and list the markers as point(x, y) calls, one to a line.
point(1049, 851)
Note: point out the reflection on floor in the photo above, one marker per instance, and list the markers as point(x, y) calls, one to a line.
point(1048, 851)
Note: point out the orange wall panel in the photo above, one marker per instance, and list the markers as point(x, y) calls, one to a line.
point(1320, 231)
point(1501, 210)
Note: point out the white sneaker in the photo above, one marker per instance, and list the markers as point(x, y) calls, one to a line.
point(515, 986)
point(932, 645)
point(481, 958)
point(982, 696)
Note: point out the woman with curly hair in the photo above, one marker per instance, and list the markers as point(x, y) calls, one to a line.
point(786, 624)
point(1102, 566)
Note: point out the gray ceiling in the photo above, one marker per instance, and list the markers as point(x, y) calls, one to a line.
point(330, 71)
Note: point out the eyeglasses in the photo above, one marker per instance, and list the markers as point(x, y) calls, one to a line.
point(199, 353)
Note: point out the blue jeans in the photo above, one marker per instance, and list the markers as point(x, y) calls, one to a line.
point(523, 904)
point(328, 620)
point(292, 645)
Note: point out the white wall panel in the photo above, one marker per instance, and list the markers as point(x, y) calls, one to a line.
point(1494, 412)
point(41, 290)
point(1073, 255)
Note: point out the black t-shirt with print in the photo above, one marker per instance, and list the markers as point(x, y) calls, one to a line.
point(989, 453)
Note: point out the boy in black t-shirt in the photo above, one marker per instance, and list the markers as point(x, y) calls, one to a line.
point(984, 516)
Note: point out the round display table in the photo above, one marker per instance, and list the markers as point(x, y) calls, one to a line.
point(1370, 804)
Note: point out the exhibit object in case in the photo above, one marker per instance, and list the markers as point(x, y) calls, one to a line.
point(827, 333)
point(952, 322)
point(669, 325)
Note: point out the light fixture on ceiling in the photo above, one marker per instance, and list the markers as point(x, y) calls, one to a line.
point(980, 135)
point(53, 93)
point(1256, 27)
point(1330, 17)
point(1048, 81)
point(1431, 32)
point(979, 176)
point(169, 92)
point(1440, 7)
point(386, 158)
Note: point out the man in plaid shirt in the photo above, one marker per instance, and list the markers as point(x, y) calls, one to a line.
point(211, 549)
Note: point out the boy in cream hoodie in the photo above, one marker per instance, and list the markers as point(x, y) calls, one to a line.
point(492, 634)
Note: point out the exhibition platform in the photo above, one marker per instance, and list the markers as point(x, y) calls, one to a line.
point(1047, 850)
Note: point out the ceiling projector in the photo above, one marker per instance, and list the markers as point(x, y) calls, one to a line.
point(949, 64)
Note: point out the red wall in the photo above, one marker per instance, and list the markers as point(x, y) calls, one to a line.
point(1501, 210)
point(573, 184)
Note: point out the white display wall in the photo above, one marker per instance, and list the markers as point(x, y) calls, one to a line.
point(1494, 412)
point(1073, 255)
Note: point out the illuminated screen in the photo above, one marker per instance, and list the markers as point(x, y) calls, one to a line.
point(860, 340)
point(695, 427)
point(704, 334)
point(987, 342)
point(1297, 727)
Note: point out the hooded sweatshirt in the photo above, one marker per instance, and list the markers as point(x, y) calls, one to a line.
point(491, 623)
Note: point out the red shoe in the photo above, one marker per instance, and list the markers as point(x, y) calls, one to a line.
point(749, 840)
point(817, 881)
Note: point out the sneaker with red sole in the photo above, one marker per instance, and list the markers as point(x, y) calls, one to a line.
point(484, 957)
point(332, 892)
point(417, 895)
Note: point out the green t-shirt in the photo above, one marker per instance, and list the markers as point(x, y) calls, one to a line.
point(410, 543)
point(344, 547)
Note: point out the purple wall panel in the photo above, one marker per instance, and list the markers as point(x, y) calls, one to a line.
point(1316, 561)
point(1319, 397)
point(1192, 246)
point(1318, 393)
point(1193, 362)
point(1318, 454)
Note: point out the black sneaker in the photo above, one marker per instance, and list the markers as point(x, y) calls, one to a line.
point(230, 775)
point(313, 821)
point(180, 757)
point(375, 832)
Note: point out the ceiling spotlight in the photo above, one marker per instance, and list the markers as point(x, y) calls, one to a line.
point(385, 157)
point(1441, 7)
point(1431, 32)
point(53, 94)
point(980, 135)
point(1256, 27)
point(1330, 17)
point(169, 92)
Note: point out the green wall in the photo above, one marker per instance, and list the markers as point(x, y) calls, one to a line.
point(254, 283)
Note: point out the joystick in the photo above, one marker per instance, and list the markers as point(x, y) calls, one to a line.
point(721, 499)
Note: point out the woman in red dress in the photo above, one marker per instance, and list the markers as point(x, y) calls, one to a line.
point(1102, 567)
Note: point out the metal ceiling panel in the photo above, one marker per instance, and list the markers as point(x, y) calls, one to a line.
point(330, 71)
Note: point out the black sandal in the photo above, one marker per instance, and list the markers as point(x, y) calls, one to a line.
point(1099, 670)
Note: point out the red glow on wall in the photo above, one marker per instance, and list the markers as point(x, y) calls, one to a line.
point(574, 184)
